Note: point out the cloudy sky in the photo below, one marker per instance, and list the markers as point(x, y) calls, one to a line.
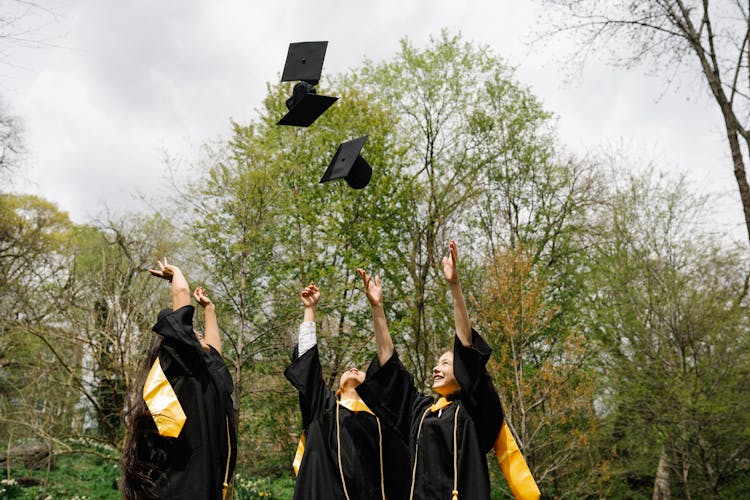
point(117, 85)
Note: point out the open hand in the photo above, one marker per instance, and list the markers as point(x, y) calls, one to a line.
point(201, 297)
point(166, 270)
point(450, 264)
point(373, 290)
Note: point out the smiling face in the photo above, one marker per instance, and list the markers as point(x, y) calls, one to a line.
point(443, 380)
point(351, 379)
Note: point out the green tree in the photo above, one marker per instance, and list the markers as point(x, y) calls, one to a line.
point(465, 123)
point(670, 315)
point(39, 400)
point(540, 365)
point(32, 236)
point(33, 232)
point(81, 302)
point(264, 228)
point(107, 310)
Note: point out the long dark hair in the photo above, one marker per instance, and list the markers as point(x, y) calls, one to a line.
point(142, 458)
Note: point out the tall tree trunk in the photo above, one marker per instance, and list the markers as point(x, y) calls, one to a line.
point(740, 174)
point(709, 61)
point(661, 483)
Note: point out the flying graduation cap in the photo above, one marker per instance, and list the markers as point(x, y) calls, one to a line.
point(348, 164)
point(304, 62)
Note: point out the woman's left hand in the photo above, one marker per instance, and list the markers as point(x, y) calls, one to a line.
point(201, 297)
point(450, 264)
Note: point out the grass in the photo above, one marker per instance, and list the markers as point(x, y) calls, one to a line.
point(72, 476)
point(80, 475)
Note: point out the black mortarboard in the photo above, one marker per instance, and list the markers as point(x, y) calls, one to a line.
point(347, 163)
point(305, 106)
point(304, 62)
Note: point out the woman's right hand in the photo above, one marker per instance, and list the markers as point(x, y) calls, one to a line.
point(310, 295)
point(373, 290)
point(166, 270)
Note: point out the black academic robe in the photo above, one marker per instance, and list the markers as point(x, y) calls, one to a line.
point(319, 477)
point(196, 460)
point(390, 392)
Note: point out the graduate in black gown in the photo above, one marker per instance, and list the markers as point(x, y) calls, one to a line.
point(181, 440)
point(449, 439)
point(348, 453)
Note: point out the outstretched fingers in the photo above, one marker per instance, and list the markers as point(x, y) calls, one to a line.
point(160, 273)
point(364, 276)
point(372, 287)
point(450, 263)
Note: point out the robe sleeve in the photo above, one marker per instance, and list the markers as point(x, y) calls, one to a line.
point(478, 395)
point(306, 375)
point(218, 370)
point(389, 391)
point(180, 343)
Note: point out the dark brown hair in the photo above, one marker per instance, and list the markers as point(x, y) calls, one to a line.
point(142, 458)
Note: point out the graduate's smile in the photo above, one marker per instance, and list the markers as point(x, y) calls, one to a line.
point(443, 380)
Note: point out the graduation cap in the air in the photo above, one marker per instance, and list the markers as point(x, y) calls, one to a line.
point(347, 163)
point(304, 62)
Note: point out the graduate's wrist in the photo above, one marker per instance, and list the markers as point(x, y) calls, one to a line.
point(456, 290)
point(378, 311)
point(309, 314)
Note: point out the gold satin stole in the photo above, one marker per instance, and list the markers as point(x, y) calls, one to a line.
point(162, 402)
point(516, 471)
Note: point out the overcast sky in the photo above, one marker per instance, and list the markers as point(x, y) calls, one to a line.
point(118, 84)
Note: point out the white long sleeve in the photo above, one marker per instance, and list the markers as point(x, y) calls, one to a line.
point(307, 338)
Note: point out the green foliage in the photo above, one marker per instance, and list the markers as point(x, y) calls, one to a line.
point(539, 366)
point(9, 488)
point(78, 474)
point(33, 233)
point(670, 319)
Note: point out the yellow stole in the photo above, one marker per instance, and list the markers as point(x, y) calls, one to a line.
point(162, 402)
point(511, 461)
point(355, 405)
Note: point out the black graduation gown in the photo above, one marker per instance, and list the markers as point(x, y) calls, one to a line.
point(319, 477)
point(196, 460)
point(390, 392)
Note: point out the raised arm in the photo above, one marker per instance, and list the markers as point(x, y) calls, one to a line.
point(307, 336)
point(180, 287)
point(461, 315)
point(305, 372)
point(212, 335)
point(374, 293)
